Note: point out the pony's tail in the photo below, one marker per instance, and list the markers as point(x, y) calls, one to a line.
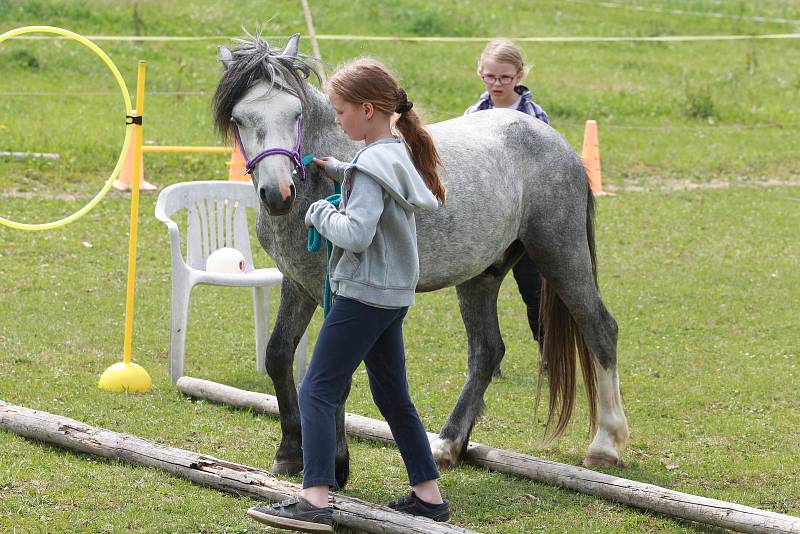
point(423, 152)
point(561, 339)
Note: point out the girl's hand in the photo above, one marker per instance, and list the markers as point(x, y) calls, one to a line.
point(313, 207)
point(325, 163)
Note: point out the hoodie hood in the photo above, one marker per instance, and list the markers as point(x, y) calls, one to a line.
point(389, 164)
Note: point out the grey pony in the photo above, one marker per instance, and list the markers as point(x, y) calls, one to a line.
point(514, 185)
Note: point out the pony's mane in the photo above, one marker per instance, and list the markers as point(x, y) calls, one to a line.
point(253, 61)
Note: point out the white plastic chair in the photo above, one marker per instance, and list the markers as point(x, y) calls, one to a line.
point(216, 218)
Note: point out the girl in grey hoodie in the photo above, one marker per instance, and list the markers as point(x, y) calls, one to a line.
point(374, 269)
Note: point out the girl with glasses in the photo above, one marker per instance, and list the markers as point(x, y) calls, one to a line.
point(501, 69)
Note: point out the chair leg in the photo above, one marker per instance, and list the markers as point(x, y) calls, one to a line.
point(261, 316)
point(177, 333)
point(301, 359)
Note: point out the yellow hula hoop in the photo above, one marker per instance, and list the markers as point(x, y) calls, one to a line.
point(125, 97)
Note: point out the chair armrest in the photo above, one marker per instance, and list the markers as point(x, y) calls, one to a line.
point(174, 238)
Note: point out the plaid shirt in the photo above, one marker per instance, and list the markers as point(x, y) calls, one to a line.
point(526, 104)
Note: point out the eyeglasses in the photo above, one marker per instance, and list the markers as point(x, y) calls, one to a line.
point(489, 79)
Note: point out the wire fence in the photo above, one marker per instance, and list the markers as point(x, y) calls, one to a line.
point(453, 39)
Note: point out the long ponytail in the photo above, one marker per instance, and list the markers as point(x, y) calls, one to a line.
point(423, 152)
point(366, 80)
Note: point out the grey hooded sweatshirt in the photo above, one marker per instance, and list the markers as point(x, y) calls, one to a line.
point(374, 233)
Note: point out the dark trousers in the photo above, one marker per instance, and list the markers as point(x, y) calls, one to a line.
point(354, 332)
point(529, 283)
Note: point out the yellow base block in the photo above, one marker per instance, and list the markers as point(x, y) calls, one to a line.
point(125, 377)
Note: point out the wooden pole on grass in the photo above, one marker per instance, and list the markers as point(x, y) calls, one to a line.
point(645, 496)
point(205, 470)
point(313, 36)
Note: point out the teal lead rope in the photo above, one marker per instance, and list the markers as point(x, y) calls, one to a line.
point(314, 244)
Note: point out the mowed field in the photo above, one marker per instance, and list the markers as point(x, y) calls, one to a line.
point(697, 254)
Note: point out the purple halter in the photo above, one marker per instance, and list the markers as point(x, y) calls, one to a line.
point(294, 155)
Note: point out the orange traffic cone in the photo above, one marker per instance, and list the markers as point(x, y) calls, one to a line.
point(237, 166)
point(125, 180)
point(591, 158)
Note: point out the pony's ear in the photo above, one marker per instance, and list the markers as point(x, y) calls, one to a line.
point(291, 46)
point(225, 56)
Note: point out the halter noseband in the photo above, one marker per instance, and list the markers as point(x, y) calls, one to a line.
point(293, 155)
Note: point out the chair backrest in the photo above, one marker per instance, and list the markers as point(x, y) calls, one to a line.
point(216, 217)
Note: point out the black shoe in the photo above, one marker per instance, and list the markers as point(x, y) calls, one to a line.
point(295, 513)
point(411, 504)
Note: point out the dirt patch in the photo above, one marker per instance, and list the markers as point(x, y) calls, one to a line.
point(85, 197)
point(688, 185)
point(652, 184)
point(38, 194)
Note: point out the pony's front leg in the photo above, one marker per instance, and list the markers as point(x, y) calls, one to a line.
point(342, 470)
point(477, 299)
point(612, 425)
point(294, 314)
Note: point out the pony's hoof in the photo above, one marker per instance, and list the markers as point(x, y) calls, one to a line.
point(444, 452)
point(599, 459)
point(287, 468)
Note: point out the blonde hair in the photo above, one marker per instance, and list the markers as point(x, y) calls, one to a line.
point(502, 51)
point(366, 80)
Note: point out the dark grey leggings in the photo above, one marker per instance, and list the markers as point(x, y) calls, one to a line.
point(354, 332)
point(529, 283)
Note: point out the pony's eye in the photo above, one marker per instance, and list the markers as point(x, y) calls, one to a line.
point(236, 122)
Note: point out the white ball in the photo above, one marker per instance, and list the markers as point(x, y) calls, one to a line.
point(226, 260)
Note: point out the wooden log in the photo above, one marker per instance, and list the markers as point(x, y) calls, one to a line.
point(638, 494)
point(205, 470)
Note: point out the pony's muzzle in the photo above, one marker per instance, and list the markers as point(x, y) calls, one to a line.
point(277, 201)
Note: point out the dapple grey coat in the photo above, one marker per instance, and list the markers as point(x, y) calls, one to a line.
point(515, 186)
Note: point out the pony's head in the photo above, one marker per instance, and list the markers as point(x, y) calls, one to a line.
point(262, 95)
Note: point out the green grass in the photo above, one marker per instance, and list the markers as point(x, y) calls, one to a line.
point(703, 283)
point(700, 282)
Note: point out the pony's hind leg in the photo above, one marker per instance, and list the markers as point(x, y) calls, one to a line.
point(612, 427)
point(599, 331)
point(571, 281)
point(477, 299)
